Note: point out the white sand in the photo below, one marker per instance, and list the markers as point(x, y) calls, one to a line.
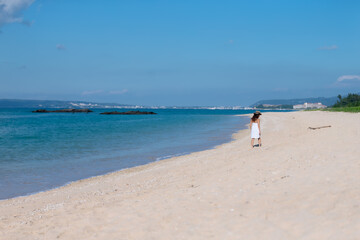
point(302, 184)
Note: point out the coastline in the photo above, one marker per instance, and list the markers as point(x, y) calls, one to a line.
point(233, 137)
point(120, 149)
point(288, 189)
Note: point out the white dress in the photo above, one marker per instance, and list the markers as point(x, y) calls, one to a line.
point(255, 130)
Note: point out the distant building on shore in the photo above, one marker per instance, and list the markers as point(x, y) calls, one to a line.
point(274, 106)
point(309, 105)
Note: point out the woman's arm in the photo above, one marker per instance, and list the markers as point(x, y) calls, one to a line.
point(259, 126)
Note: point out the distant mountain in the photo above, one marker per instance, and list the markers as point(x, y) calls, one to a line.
point(42, 104)
point(19, 103)
point(325, 101)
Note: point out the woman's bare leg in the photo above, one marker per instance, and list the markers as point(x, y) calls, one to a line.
point(252, 142)
point(259, 140)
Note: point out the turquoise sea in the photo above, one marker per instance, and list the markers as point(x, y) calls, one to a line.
point(40, 151)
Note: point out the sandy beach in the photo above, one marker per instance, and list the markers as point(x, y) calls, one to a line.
point(302, 184)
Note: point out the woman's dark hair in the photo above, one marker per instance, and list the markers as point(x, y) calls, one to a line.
point(254, 117)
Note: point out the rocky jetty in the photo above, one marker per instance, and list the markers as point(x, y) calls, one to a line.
point(63, 111)
point(127, 113)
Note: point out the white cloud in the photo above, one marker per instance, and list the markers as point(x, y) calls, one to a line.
point(60, 47)
point(348, 77)
point(102, 92)
point(11, 11)
point(329, 48)
point(281, 89)
point(92, 92)
point(119, 92)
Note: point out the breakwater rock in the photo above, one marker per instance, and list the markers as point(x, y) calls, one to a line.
point(63, 111)
point(127, 113)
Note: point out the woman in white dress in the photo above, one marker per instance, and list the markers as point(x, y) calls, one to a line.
point(255, 128)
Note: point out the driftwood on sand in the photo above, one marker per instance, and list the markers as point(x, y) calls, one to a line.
point(314, 128)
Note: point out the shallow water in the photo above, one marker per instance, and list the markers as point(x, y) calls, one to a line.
point(39, 151)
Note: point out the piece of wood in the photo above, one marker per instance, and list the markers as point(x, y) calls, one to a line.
point(314, 128)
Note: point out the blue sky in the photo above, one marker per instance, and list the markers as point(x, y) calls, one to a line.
point(178, 52)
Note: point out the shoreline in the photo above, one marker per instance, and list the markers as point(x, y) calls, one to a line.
point(302, 184)
point(232, 138)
